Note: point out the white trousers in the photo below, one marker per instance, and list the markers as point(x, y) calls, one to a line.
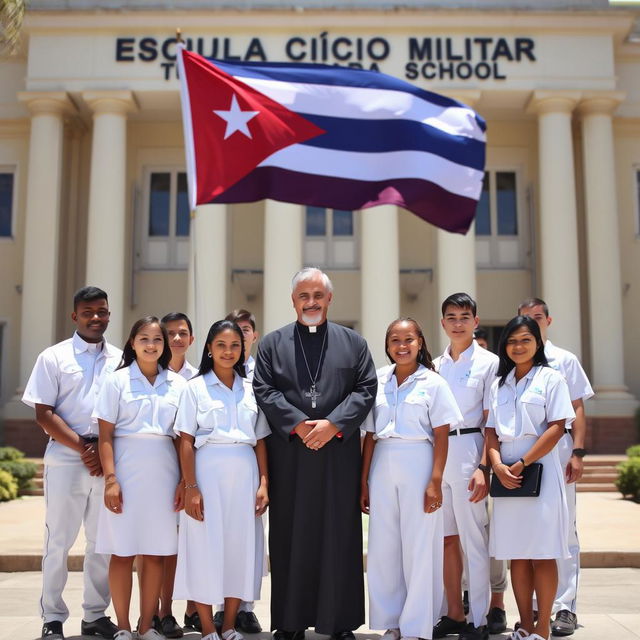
point(468, 520)
point(404, 562)
point(72, 497)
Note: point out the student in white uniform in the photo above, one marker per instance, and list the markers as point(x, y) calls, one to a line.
point(62, 389)
point(136, 409)
point(572, 451)
point(404, 453)
point(470, 371)
point(529, 411)
point(224, 465)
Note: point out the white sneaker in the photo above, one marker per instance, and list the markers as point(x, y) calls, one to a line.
point(123, 634)
point(391, 634)
point(232, 634)
point(519, 634)
point(211, 636)
point(150, 634)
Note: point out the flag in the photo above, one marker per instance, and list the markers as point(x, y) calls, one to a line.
point(351, 139)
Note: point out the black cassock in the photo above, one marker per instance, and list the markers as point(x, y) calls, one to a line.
point(315, 526)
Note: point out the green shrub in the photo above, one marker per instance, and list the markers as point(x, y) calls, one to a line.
point(628, 481)
point(8, 487)
point(634, 451)
point(22, 470)
point(10, 453)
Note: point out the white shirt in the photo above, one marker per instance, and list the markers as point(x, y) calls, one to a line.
point(135, 406)
point(213, 413)
point(67, 377)
point(249, 366)
point(526, 408)
point(188, 371)
point(569, 366)
point(470, 378)
point(411, 411)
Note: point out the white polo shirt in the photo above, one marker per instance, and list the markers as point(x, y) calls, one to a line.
point(67, 376)
point(213, 413)
point(525, 408)
point(470, 378)
point(188, 371)
point(128, 400)
point(249, 367)
point(569, 366)
point(411, 411)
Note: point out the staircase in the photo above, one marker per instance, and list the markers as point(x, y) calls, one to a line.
point(600, 473)
point(37, 482)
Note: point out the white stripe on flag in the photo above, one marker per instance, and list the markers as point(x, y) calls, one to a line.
point(367, 104)
point(371, 167)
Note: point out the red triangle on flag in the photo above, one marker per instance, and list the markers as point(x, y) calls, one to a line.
point(234, 127)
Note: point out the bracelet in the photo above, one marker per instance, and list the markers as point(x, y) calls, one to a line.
point(191, 486)
point(110, 478)
point(483, 467)
point(524, 464)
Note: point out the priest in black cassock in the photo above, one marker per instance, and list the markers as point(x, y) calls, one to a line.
point(316, 382)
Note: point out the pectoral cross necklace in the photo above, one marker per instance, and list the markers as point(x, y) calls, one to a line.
point(313, 392)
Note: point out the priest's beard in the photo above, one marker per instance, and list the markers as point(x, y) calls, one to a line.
point(312, 319)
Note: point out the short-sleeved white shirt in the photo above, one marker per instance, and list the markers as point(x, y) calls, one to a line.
point(213, 413)
point(188, 371)
point(411, 411)
point(67, 376)
point(525, 408)
point(470, 378)
point(569, 366)
point(135, 406)
point(249, 366)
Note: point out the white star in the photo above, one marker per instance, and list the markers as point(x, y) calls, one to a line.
point(236, 119)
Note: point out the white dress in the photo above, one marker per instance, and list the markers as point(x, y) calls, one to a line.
point(223, 555)
point(528, 527)
point(146, 464)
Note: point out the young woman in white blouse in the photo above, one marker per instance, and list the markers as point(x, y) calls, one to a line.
point(224, 463)
point(136, 409)
point(404, 454)
point(530, 409)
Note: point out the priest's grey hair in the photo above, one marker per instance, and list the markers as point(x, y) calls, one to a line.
point(307, 274)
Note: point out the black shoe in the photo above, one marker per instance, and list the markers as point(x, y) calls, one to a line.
point(278, 634)
point(474, 633)
point(465, 602)
point(100, 627)
point(565, 623)
point(170, 628)
point(447, 626)
point(218, 619)
point(52, 630)
point(193, 621)
point(246, 621)
point(496, 620)
point(343, 635)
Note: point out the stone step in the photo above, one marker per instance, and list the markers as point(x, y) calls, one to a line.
point(598, 477)
point(596, 487)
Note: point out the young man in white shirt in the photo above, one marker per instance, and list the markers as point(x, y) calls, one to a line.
point(572, 451)
point(62, 388)
point(470, 370)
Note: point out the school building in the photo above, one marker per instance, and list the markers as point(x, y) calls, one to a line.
point(93, 184)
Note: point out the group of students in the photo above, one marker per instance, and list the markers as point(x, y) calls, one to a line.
point(166, 464)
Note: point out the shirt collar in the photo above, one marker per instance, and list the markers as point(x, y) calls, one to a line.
point(418, 374)
point(511, 376)
point(211, 379)
point(80, 345)
point(135, 373)
point(465, 355)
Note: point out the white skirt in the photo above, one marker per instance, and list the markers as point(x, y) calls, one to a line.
point(222, 556)
point(146, 467)
point(531, 528)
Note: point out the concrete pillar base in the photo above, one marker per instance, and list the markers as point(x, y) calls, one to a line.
point(612, 401)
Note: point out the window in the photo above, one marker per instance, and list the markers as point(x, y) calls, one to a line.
point(7, 190)
point(499, 224)
point(330, 238)
point(166, 220)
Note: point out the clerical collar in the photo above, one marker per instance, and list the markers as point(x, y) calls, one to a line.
point(313, 329)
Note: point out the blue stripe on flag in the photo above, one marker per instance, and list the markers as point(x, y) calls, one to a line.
point(376, 136)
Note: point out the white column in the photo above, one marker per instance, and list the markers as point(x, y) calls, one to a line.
point(559, 266)
point(210, 268)
point(42, 218)
point(605, 285)
point(380, 276)
point(283, 233)
point(106, 235)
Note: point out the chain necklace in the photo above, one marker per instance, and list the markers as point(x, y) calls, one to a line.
point(313, 393)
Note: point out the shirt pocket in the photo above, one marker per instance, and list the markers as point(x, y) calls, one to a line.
point(212, 414)
point(534, 406)
point(71, 374)
point(468, 390)
point(414, 412)
point(382, 412)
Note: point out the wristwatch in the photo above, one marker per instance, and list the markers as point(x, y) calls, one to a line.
point(579, 453)
point(483, 467)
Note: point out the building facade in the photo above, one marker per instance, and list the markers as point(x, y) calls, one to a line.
point(93, 184)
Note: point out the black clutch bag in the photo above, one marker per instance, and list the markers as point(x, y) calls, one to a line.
point(530, 487)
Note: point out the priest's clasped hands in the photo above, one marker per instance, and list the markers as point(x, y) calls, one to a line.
point(316, 433)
